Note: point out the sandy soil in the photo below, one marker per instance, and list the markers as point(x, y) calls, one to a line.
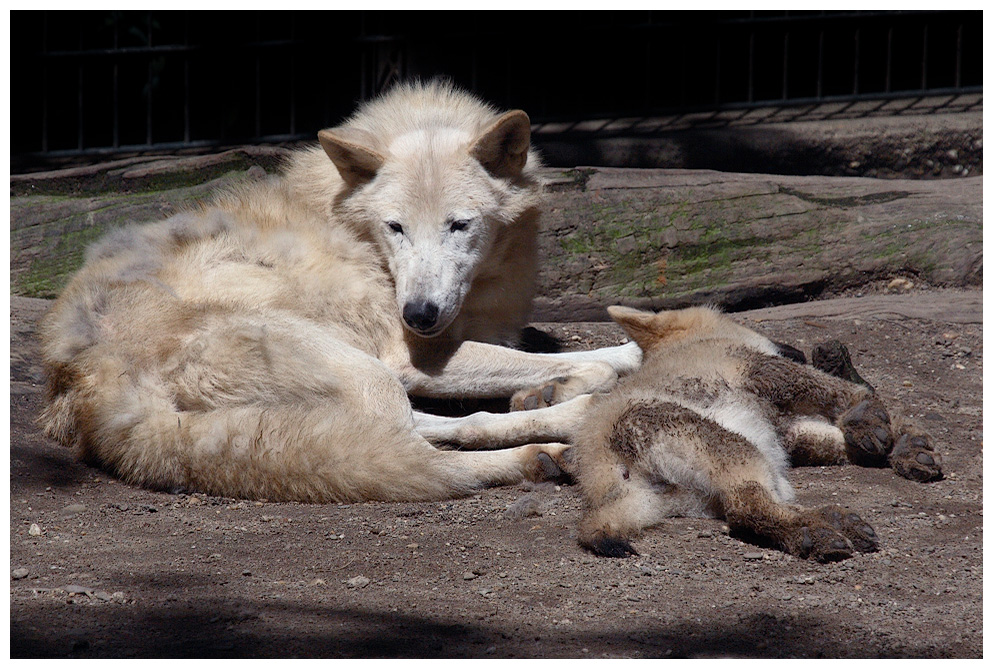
point(102, 569)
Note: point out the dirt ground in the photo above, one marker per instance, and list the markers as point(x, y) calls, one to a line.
point(102, 569)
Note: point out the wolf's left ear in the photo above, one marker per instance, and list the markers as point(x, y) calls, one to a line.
point(503, 147)
point(356, 164)
point(640, 325)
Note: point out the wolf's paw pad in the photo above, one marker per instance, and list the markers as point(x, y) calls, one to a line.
point(914, 458)
point(819, 542)
point(608, 546)
point(868, 434)
point(549, 394)
point(552, 462)
point(852, 526)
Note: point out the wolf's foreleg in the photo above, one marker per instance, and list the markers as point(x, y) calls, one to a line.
point(485, 431)
point(477, 370)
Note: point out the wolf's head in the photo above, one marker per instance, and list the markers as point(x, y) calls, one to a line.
point(432, 179)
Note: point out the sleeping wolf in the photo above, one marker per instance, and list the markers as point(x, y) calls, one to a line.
point(708, 426)
point(263, 345)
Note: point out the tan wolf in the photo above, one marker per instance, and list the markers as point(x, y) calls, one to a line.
point(263, 345)
point(708, 426)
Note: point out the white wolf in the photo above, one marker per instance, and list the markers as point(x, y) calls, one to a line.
point(264, 345)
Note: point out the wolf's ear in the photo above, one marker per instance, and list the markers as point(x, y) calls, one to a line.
point(356, 163)
point(503, 147)
point(639, 325)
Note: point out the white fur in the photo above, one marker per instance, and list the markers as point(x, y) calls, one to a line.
point(256, 346)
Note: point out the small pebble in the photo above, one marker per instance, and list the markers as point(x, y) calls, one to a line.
point(19, 573)
point(358, 582)
point(74, 508)
point(468, 576)
point(78, 590)
point(753, 556)
point(34, 530)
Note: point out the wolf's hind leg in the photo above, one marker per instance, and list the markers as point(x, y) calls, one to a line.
point(798, 389)
point(827, 534)
point(652, 461)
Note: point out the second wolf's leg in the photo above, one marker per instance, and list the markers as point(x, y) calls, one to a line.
point(798, 389)
point(484, 430)
point(825, 534)
point(912, 456)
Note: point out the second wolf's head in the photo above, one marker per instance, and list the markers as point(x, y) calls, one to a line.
point(433, 175)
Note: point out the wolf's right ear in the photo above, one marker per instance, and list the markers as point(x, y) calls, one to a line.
point(356, 164)
point(503, 147)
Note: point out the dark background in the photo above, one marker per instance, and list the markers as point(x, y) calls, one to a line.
point(99, 83)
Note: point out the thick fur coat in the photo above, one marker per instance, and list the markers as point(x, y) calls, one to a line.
point(263, 345)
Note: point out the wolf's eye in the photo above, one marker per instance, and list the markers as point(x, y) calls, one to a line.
point(457, 225)
point(395, 227)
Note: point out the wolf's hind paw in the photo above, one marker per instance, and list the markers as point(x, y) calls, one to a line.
point(914, 458)
point(868, 434)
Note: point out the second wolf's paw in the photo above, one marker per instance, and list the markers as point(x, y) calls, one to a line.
point(832, 357)
point(605, 545)
point(914, 458)
point(868, 433)
point(554, 392)
point(852, 526)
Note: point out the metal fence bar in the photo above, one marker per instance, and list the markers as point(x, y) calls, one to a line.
point(958, 56)
point(44, 85)
point(889, 60)
point(186, 81)
point(924, 60)
point(820, 63)
point(148, 84)
point(115, 75)
point(857, 59)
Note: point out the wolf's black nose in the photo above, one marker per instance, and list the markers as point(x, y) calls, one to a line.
point(421, 316)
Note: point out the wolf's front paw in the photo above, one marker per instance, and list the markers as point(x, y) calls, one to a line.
point(549, 394)
point(833, 358)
